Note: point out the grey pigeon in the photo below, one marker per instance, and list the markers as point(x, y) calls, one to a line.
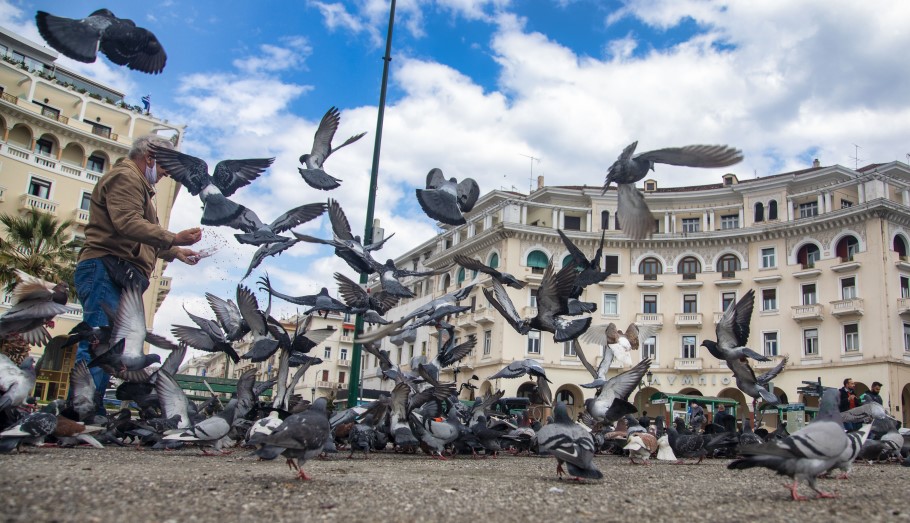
point(589, 272)
point(400, 430)
point(314, 174)
point(348, 247)
point(389, 276)
point(436, 435)
point(319, 302)
point(264, 234)
point(82, 392)
point(447, 200)
point(31, 430)
point(207, 337)
point(362, 436)
point(732, 332)
point(519, 368)
point(502, 277)
point(637, 221)
point(172, 399)
point(16, 382)
point(210, 431)
point(552, 297)
point(804, 454)
point(127, 336)
point(569, 443)
point(854, 449)
point(118, 38)
point(360, 300)
point(229, 317)
point(269, 249)
point(263, 344)
point(35, 303)
point(756, 387)
point(300, 437)
point(611, 403)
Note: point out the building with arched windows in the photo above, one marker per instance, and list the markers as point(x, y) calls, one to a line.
point(60, 133)
point(824, 249)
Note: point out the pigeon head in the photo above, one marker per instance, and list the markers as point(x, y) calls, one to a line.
point(27, 363)
point(61, 291)
point(304, 158)
point(152, 358)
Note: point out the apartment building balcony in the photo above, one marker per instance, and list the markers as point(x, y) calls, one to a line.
point(649, 319)
point(903, 305)
point(688, 319)
point(346, 338)
point(27, 202)
point(528, 311)
point(687, 364)
point(330, 385)
point(814, 312)
point(848, 307)
point(80, 216)
point(767, 364)
point(164, 288)
point(465, 320)
point(484, 315)
point(847, 264)
point(717, 317)
point(343, 362)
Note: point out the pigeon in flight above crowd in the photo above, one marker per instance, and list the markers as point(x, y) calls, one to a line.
point(637, 221)
point(118, 38)
point(35, 303)
point(733, 332)
point(348, 247)
point(313, 174)
point(502, 277)
point(446, 200)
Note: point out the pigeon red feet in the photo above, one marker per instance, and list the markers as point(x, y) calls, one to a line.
point(793, 493)
point(302, 475)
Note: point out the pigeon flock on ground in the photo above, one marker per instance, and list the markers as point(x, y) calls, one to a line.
point(422, 411)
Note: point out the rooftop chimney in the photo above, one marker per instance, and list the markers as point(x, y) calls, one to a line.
point(540, 182)
point(816, 163)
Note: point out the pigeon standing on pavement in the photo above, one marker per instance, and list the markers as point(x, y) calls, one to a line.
point(31, 430)
point(626, 171)
point(300, 437)
point(447, 200)
point(210, 431)
point(314, 174)
point(118, 38)
point(570, 443)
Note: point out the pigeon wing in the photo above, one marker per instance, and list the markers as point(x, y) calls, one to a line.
point(172, 398)
point(468, 192)
point(440, 205)
point(632, 210)
point(296, 216)
point(500, 301)
point(76, 39)
point(695, 156)
point(195, 338)
point(227, 313)
point(341, 228)
point(584, 359)
point(231, 175)
point(322, 140)
point(577, 255)
point(623, 384)
point(129, 323)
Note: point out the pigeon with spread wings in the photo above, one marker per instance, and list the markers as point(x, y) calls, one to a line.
point(502, 277)
point(35, 303)
point(626, 171)
point(314, 174)
point(447, 200)
point(733, 332)
point(589, 271)
point(348, 247)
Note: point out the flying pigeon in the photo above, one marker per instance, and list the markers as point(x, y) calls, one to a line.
point(263, 343)
point(732, 332)
point(756, 387)
point(313, 174)
point(128, 335)
point(229, 317)
point(361, 300)
point(806, 453)
point(118, 38)
point(570, 443)
point(300, 437)
point(348, 247)
point(210, 431)
point(627, 170)
point(502, 277)
point(446, 200)
point(612, 401)
point(35, 303)
point(320, 302)
point(589, 272)
point(16, 382)
point(207, 337)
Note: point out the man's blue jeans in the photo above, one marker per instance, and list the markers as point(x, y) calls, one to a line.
point(94, 289)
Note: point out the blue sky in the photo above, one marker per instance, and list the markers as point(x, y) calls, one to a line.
point(476, 84)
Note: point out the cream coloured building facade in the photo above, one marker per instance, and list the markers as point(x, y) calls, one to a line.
point(60, 133)
point(824, 248)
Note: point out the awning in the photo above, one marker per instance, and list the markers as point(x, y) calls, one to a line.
point(659, 398)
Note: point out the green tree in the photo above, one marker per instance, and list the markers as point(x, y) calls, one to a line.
point(38, 244)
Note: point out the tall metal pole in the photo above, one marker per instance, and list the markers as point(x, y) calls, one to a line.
point(355, 381)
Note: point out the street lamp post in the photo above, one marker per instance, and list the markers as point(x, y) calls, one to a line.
point(312, 394)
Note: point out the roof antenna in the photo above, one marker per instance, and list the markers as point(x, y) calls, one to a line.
point(531, 179)
point(856, 157)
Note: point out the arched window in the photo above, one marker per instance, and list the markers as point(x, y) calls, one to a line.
point(446, 281)
point(807, 255)
point(689, 266)
point(460, 278)
point(728, 264)
point(899, 246)
point(759, 212)
point(494, 260)
point(650, 267)
point(537, 261)
point(847, 247)
point(566, 397)
point(605, 220)
point(772, 210)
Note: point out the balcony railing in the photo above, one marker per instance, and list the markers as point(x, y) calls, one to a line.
point(812, 312)
point(848, 307)
point(80, 216)
point(688, 319)
point(528, 311)
point(688, 276)
point(903, 305)
point(767, 364)
point(717, 317)
point(28, 202)
point(329, 385)
point(650, 277)
point(652, 319)
point(484, 315)
point(346, 338)
point(10, 98)
point(728, 275)
point(687, 364)
point(343, 362)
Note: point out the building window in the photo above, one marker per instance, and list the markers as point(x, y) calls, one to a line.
point(905, 287)
point(487, 342)
point(650, 186)
point(729, 221)
point(534, 342)
point(728, 264)
point(40, 188)
point(460, 277)
point(86, 202)
point(611, 305)
point(770, 343)
point(325, 375)
point(848, 288)
point(341, 376)
point(691, 224)
point(907, 337)
point(537, 260)
point(605, 220)
point(772, 210)
point(611, 263)
point(494, 260)
point(649, 349)
point(810, 342)
point(809, 294)
point(808, 255)
point(343, 354)
point(650, 267)
point(759, 213)
point(568, 349)
point(689, 265)
point(327, 354)
point(411, 352)
point(571, 223)
point(847, 248)
point(727, 299)
point(768, 258)
point(95, 164)
point(43, 146)
point(808, 209)
point(851, 337)
point(769, 299)
point(423, 348)
point(690, 303)
point(689, 349)
point(649, 304)
point(845, 203)
point(532, 300)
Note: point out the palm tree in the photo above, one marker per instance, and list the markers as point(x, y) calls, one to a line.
point(40, 245)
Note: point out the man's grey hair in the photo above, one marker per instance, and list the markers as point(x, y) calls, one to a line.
point(141, 145)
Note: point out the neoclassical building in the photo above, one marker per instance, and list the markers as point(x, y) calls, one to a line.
point(824, 248)
point(60, 133)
